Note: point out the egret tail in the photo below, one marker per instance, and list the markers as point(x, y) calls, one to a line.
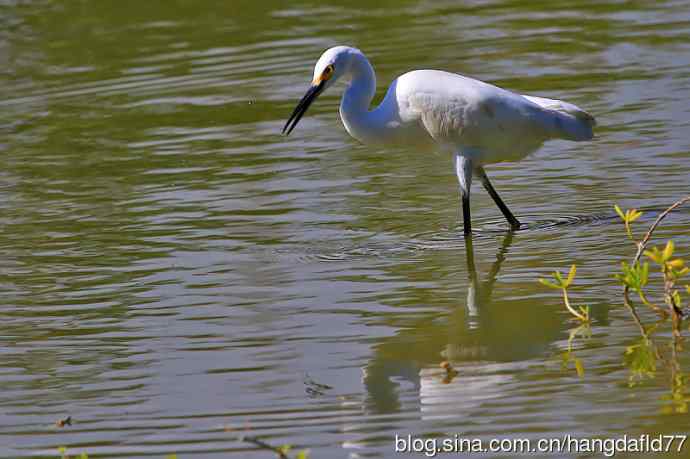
point(569, 121)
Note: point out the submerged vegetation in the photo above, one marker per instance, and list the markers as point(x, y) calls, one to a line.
point(649, 354)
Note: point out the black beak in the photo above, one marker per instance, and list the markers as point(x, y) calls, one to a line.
point(312, 93)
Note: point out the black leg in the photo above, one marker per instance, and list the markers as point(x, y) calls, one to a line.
point(469, 251)
point(466, 219)
point(514, 223)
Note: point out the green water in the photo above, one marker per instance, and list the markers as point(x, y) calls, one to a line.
point(173, 271)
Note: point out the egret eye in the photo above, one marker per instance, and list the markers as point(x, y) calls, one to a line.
point(328, 72)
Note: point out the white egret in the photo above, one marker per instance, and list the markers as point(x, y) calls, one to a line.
point(475, 121)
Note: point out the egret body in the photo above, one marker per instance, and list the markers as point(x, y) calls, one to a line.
point(478, 123)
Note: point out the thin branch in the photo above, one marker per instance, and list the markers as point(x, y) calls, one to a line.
point(263, 445)
point(643, 244)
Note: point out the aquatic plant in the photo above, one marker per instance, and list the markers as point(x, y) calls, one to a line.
point(580, 314)
point(559, 283)
point(282, 451)
point(568, 357)
point(646, 356)
point(642, 358)
point(62, 450)
point(635, 275)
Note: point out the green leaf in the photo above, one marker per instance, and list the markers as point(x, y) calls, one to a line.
point(676, 298)
point(571, 276)
point(635, 276)
point(549, 284)
point(619, 212)
point(677, 263)
point(579, 368)
point(655, 254)
point(668, 250)
point(304, 454)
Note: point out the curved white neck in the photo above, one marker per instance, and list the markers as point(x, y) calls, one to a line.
point(362, 124)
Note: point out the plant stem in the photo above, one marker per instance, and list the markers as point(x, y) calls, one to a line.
point(640, 249)
point(570, 308)
point(643, 244)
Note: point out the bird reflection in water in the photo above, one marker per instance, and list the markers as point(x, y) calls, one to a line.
point(479, 342)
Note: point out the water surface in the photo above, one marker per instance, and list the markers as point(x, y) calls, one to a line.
point(175, 273)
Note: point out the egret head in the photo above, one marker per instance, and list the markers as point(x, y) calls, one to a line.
point(333, 64)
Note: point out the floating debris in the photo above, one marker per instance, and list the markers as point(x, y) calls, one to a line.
point(450, 372)
point(313, 388)
point(64, 422)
